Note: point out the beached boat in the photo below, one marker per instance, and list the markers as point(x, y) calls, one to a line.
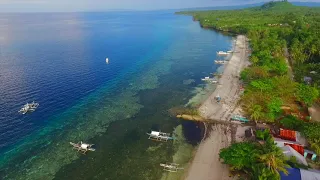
point(159, 136)
point(171, 167)
point(211, 80)
point(217, 74)
point(239, 118)
point(82, 147)
point(222, 53)
point(220, 61)
point(29, 107)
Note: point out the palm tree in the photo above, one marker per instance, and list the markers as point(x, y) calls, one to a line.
point(315, 145)
point(256, 112)
point(274, 159)
point(260, 172)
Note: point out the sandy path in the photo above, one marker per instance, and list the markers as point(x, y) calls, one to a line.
point(315, 112)
point(228, 87)
point(206, 164)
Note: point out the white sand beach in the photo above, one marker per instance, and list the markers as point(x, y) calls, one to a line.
point(206, 164)
point(228, 87)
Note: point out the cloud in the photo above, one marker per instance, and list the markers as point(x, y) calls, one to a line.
point(9, 2)
point(103, 5)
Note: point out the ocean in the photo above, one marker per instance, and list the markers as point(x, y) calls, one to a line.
point(156, 61)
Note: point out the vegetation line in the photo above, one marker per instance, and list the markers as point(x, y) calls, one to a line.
point(278, 32)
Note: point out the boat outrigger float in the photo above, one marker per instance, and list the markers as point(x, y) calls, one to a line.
point(28, 107)
point(171, 167)
point(82, 147)
point(159, 136)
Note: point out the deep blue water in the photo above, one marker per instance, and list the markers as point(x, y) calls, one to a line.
point(58, 60)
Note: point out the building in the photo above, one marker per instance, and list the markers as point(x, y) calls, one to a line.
point(300, 174)
point(296, 141)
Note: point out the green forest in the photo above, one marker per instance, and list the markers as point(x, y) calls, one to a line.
point(284, 72)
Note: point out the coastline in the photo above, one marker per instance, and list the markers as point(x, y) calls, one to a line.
point(228, 86)
point(206, 162)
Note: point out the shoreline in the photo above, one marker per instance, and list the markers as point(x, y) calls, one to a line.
point(220, 131)
point(228, 87)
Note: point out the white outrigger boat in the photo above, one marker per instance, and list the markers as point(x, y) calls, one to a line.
point(28, 107)
point(211, 80)
point(220, 61)
point(222, 53)
point(171, 167)
point(159, 136)
point(82, 147)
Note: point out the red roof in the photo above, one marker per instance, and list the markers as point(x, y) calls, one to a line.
point(296, 147)
point(287, 134)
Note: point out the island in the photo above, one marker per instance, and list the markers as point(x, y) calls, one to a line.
point(266, 123)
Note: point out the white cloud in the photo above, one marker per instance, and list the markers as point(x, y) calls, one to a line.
point(22, 2)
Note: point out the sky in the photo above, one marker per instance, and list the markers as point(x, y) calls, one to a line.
point(103, 5)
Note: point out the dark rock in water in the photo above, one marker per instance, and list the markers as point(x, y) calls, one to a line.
point(193, 131)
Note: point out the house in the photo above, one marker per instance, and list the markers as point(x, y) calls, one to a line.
point(300, 174)
point(296, 141)
point(291, 138)
point(290, 152)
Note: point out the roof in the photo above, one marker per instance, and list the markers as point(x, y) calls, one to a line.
point(300, 174)
point(84, 146)
point(155, 133)
point(295, 145)
point(288, 134)
point(293, 174)
point(294, 136)
point(280, 142)
point(310, 174)
point(289, 151)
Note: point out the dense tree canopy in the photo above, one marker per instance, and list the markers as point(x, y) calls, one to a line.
point(280, 35)
point(260, 161)
point(285, 48)
point(309, 129)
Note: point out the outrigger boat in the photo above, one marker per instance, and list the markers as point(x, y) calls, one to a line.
point(28, 107)
point(208, 79)
point(222, 53)
point(171, 167)
point(82, 147)
point(220, 61)
point(159, 136)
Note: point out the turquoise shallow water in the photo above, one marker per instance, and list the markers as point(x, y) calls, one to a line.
point(82, 98)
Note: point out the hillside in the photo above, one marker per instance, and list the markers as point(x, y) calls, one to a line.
point(282, 37)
